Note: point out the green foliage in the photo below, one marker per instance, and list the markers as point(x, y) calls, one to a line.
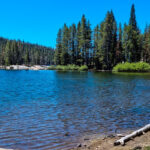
point(73, 67)
point(132, 67)
point(132, 21)
point(132, 39)
point(146, 45)
point(69, 67)
point(119, 49)
point(52, 67)
point(58, 50)
point(14, 52)
point(73, 44)
point(7, 52)
point(106, 47)
point(83, 68)
point(61, 67)
point(147, 148)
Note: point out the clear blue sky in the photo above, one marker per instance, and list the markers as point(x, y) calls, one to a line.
point(37, 21)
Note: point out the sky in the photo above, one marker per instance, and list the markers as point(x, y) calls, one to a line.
point(38, 21)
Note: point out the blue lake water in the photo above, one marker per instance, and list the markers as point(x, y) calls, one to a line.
point(37, 108)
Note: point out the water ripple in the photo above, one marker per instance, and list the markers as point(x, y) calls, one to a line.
point(42, 110)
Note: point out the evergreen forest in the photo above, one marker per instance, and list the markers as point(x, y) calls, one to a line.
point(108, 44)
point(14, 52)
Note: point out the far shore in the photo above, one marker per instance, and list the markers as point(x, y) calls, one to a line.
point(24, 67)
point(38, 67)
point(52, 67)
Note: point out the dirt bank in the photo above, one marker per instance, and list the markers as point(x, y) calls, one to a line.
point(107, 143)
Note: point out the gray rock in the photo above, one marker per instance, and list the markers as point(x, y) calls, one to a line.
point(137, 148)
point(79, 145)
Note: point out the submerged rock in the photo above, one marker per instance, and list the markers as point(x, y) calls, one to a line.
point(79, 145)
point(86, 139)
point(137, 148)
point(66, 134)
point(111, 136)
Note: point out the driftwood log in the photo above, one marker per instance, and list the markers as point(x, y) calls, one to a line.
point(132, 135)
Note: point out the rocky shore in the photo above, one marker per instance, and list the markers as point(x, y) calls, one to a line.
point(23, 67)
point(107, 143)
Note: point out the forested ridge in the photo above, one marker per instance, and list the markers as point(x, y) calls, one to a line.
point(14, 52)
point(105, 46)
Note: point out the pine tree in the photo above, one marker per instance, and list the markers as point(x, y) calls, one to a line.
point(132, 21)
point(79, 59)
point(15, 53)
point(134, 37)
point(7, 57)
point(82, 39)
point(88, 47)
point(146, 45)
point(73, 44)
point(114, 40)
point(64, 56)
point(109, 41)
point(26, 57)
point(99, 51)
point(96, 39)
point(119, 56)
point(58, 50)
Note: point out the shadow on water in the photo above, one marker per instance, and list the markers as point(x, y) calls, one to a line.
point(53, 109)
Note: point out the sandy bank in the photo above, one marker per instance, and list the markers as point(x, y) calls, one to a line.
point(107, 143)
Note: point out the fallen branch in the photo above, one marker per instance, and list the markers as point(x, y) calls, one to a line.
point(132, 135)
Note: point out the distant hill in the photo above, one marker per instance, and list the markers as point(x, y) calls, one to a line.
point(14, 52)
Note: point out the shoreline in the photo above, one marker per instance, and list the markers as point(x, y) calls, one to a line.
point(40, 67)
point(44, 67)
point(24, 67)
point(107, 142)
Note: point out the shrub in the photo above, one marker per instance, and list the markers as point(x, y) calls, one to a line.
point(83, 68)
point(73, 67)
point(59, 67)
point(69, 67)
point(132, 67)
point(52, 68)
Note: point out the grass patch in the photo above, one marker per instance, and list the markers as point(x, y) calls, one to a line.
point(132, 67)
point(69, 67)
point(147, 148)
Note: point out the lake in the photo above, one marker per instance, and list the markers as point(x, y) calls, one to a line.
point(42, 110)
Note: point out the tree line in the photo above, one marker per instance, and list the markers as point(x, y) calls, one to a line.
point(14, 52)
point(105, 46)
